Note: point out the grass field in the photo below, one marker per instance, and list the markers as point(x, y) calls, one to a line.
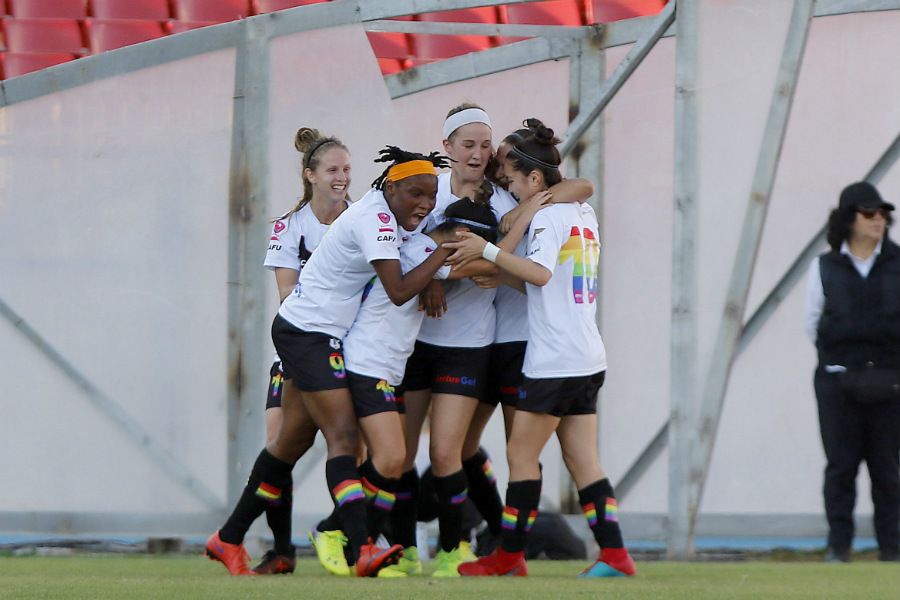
point(175, 577)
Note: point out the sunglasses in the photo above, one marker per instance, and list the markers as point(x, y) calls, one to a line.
point(870, 213)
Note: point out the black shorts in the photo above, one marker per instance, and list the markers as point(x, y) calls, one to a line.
point(562, 397)
point(276, 386)
point(315, 361)
point(445, 370)
point(372, 396)
point(505, 373)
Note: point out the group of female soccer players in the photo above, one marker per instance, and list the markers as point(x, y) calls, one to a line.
point(406, 308)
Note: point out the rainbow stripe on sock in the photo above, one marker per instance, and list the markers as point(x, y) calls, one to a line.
point(590, 513)
point(385, 500)
point(612, 510)
point(268, 492)
point(532, 516)
point(488, 470)
point(368, 489)
point(460, 497)
point(349, 490)
point(510, 518)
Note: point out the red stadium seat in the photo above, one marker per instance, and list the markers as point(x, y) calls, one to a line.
point(436, 47)
point(148, 10)
point(218, 11)
point(106, 35)
point(389, 45)
point(432, 47)
point(42, 9)
point(268, 6)
point(389, 66)
point(557, 12)
point(486, 14)
point(607, 11)
point(20, 63)
point(182, 26)
point(43, 35)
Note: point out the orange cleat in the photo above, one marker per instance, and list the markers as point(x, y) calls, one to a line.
point(275, 564)
point(372, 558)
point(612, 562)
point(498, 562)
point(233, 556)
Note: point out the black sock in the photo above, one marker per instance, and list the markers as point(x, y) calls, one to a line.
point(599, 505)
point(349, 500)
point(451, 493)
point(330, 523)
point(403, 517)
point(483, 489)
point(522, 500)
point(266, 487)
point(381, 496)
point(279, 519)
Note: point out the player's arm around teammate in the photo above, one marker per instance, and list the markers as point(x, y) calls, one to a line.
point(562, 377)
point(307, 333)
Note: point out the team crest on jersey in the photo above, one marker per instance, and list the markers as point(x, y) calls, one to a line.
point(279, 226)
point(335, 343)
point(384, 217)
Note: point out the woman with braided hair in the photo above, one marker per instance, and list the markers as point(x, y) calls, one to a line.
point(562, 373)
point(363, 243)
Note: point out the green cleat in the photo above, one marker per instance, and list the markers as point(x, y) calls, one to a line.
point(409, 564)
point(329, 547)
point(447, 563)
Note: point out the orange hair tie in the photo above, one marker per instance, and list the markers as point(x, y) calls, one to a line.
point(408, 169)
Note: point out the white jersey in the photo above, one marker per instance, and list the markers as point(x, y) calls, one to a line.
point(294, 239)
point(331, 284)
point(383, 335)
point(470, 320)
point(511, 304)
point(563, 339)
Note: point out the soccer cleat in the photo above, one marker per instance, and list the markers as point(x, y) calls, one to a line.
point(233, 556)
point(612, 562)
point(372, 558)
point(409, 564)
point(498, 562)
point(329, 547)
point(447, 563)
point(465, 552)
point(275, 564)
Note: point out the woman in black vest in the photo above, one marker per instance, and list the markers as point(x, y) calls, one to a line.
point(853, 316)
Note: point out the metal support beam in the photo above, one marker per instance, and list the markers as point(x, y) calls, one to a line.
point(495, 29)
point(167, 463)
point(614, 83)
point(742, 271)
point(247, 225)
point(642, 463)
point(826, 8)
point(683, 345)
point(477, 64)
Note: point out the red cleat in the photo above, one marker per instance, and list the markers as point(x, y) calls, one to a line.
point(233, 556)
point(498, 562)
point(612, 562)
point(275, 564)
point(372, 559)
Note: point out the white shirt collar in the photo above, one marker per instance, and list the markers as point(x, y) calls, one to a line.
point(845, 249)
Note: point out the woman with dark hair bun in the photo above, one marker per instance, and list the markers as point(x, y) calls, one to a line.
point(562, 373)
point(853, 317)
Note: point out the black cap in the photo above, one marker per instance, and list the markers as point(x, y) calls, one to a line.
point(862, 195)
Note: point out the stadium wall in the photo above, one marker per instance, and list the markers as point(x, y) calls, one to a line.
point(114, 221)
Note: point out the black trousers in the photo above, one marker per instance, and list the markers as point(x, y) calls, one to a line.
point(853, 432)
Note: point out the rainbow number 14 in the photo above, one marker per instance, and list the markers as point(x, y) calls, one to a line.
point(583, 249)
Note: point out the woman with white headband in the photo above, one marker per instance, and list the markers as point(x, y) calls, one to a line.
point(449, 367)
